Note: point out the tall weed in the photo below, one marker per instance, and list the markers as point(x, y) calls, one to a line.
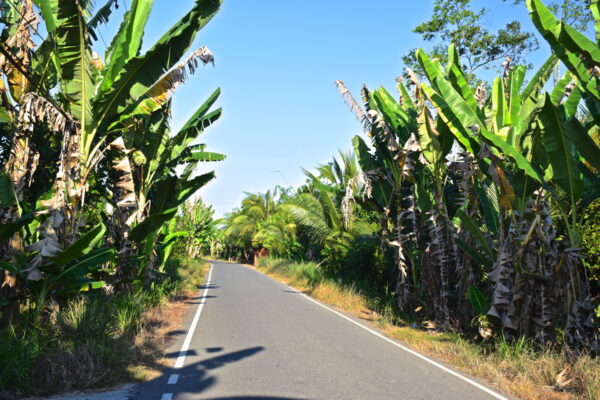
point(91, 341)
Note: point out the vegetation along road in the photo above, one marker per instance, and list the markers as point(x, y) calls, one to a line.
point(254, 338)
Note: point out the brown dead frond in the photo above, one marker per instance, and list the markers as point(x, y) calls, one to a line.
point(356, 109)
point(36, 109)
point(158, 94)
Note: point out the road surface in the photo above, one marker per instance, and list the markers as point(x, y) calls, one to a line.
point(251, 337)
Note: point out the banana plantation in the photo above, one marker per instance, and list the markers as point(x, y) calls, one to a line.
point(475, 205)
point(92, 177)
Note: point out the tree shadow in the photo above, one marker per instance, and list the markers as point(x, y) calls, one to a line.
point(213, 349)
point(209, 286)
point(256, 398)
point(201, 297)
point(196, 378)
point(176, 332)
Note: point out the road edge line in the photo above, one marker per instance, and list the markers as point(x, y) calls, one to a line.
point(391, 341)
point(387, 339)
point(188, 338)
point(395, 343)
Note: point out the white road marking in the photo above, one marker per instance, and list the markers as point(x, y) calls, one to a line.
point(173, 379)
point(190, 334)
point(374, 332)
point(167, 396)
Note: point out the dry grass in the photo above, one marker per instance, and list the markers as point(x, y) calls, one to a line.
point(346, 299)
point(515, 369)
point(153, 338)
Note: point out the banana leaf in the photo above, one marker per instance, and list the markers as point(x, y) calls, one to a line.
point(8, 196)
point(82, 246)
point(151, 224)
point(583, 142)
point(595, 9)
point(380, 189)
point(531, 94)
point(74, 56)
point(9, 229)
point(101, 17)
point(560, 150)
point(478, 301)
point(471, 226)
point(459, 80)
point(91, 262)
point(141, 72)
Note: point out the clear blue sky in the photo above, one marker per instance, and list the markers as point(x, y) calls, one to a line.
point(276, 63)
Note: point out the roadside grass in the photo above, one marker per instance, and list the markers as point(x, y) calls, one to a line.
point(95, 340)
point(517, 368)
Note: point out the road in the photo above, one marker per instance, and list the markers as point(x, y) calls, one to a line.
point(254, 338)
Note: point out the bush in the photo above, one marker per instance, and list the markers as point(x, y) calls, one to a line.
point(591, 248)
point(92, 341)
point(311, 272)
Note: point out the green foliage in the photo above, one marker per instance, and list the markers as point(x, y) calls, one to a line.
point(93, 177)
point(309, 272)
point(73, 347)
point(469, 204)
point(202, 233)
point(478, 301)
point(262, 222)
point(574, 12)
point(590, 238)
point(454, 21)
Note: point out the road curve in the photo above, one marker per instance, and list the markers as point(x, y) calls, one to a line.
point(256, 338)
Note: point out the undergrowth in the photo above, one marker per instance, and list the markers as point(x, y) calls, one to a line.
point(518, 367)
point(94, 340)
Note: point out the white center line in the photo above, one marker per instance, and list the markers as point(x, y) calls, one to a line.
point(190, 334)
point(167, 396)
point(173, 379)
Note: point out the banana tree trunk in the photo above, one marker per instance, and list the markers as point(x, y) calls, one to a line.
point(20, 167)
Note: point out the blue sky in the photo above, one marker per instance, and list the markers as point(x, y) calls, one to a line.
point(276, 63)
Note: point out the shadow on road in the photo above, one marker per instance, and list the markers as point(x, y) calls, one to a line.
point(256, 398)
point(200, 297)
point(175, 354)
point(195, 378)
point(209, 286)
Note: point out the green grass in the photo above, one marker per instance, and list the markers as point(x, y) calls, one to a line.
point(93, 341)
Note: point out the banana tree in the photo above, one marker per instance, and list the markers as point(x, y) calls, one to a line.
point(98, 100)
point(389, 178)
point(573, 155)
point(150, 189)
point(98, 95)
point(520, 143)
point(197, 219)
point(578, 53)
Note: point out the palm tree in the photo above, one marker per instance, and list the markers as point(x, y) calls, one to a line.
point(261, 223)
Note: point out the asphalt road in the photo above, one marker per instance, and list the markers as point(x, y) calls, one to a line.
point(256, 338)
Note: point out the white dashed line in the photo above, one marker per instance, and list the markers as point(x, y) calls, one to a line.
point(173, 378)
point(190, 334)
